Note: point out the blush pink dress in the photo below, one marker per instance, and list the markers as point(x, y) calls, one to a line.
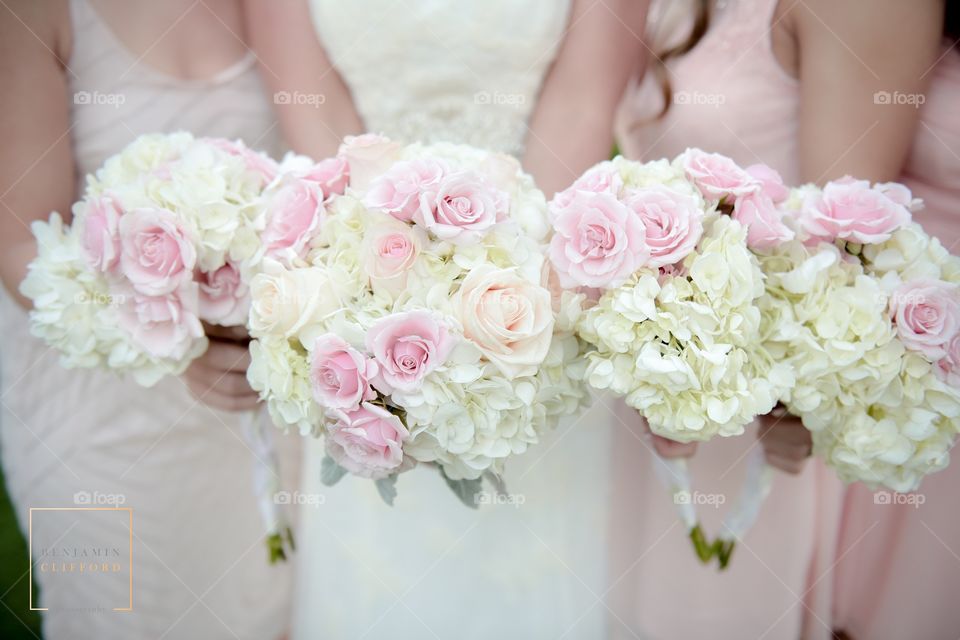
point(70, 438)
point(729, 96)
point(898, 569)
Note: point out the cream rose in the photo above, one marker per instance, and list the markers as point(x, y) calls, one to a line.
point(509, 319)
point(284, 302)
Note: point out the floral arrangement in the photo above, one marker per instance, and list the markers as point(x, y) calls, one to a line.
point(866, 307)
point(413, 319)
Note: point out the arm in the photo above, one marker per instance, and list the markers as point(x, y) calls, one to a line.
point(293, 62)
point(36, 161)
point(572, 125)
point(848, 52)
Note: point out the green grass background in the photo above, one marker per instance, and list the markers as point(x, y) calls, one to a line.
point(16, 619)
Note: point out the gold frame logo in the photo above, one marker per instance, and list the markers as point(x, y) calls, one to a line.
point(129, 511)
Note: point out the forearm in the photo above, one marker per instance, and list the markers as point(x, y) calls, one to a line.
point(13, 267)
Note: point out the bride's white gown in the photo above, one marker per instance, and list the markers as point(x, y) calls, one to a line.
point(430, 567)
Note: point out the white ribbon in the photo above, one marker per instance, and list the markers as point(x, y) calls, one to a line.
point(266, 471)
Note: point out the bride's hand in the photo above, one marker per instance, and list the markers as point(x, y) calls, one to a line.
point(219, 377)
point(786, 442)
point(667, 448)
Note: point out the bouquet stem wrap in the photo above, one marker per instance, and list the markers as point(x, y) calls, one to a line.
point(675, 476)
point(266, 484)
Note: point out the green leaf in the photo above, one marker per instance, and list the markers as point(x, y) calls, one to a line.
point(466, 490)
point(387, 488)
point(331, 472)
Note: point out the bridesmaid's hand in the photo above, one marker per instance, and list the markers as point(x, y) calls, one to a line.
point(667, 448)
point(786, 442)
point(219, 377)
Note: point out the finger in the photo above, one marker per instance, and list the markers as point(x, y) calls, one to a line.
point(234, 334)
point(667, 448)
point(224, 356)
point(787, 465)
point(219, 400)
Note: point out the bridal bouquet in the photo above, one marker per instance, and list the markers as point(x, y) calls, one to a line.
point(158, 243)
point(866, 306)
point(675, 328)
point(413, 319)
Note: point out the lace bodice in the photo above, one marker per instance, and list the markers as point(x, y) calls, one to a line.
point(437, 70)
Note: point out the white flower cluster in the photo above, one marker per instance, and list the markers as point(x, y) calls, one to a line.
point(419, 324)
point(878, 398)
point(679, 338)
point(156, 245)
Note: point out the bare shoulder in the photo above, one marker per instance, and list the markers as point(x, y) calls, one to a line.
point(30, 26)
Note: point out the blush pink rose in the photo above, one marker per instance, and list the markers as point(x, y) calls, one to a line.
point(398, 192)
point(367, 441)
point(598, 241)
point(672, 221)
point(164, 326)
point(764, 222)
point(101, 233)
point(948, 367)
point(717, 176)
point(224, 297)
point(391, 251)
point(368, 156)
point(899, 193)
point(294, 215)
point(927, 315)
point(853, 211)
point(602, 178)
point(332, 174)
point(407, 346)
point(771, 184)
point(339, 374)
point(156, 255)
point(257, 162)
point(465, 206)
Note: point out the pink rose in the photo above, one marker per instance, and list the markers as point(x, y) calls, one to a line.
point(332, 174)
point(851, 210)
point(771, 184)
point(156, 256)
point(764, 222)
point(164, 326)
point(927, 315)
point(948, 368)
point(673, 222)
point(101, 235)
point(407, 346)
point(602, 178)
point(367, 441)
point(398, 192)
point(368, 156)
point(898, 193)
point(717, 176)
point(224, 297)
point(465, 206)
point(339, 374)
point(259, 163)
point(391, 251)
point(599, 242)
point(508, 318)
point(294, 215)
